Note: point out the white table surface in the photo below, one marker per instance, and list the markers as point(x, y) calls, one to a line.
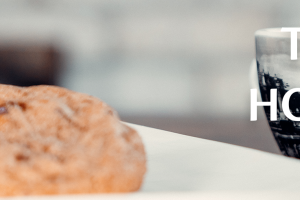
point(184, 167)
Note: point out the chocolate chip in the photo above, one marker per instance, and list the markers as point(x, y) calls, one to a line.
point(3, 110)
point(22, 105)
point(21, 157)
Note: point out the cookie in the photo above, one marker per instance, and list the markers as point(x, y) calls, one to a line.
point(56, 141)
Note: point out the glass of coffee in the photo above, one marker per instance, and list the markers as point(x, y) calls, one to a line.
point(276, 70)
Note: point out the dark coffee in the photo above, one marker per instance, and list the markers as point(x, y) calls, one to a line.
point(277, 71)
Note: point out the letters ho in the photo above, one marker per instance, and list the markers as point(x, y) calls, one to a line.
point(284, 105)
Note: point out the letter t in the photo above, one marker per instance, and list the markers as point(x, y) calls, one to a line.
point(294, 32)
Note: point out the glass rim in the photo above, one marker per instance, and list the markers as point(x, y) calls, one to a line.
point(272, 32)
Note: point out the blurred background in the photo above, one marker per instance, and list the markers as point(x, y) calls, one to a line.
point(177, 65)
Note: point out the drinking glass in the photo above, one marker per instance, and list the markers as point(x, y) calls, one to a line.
point(276, 70)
